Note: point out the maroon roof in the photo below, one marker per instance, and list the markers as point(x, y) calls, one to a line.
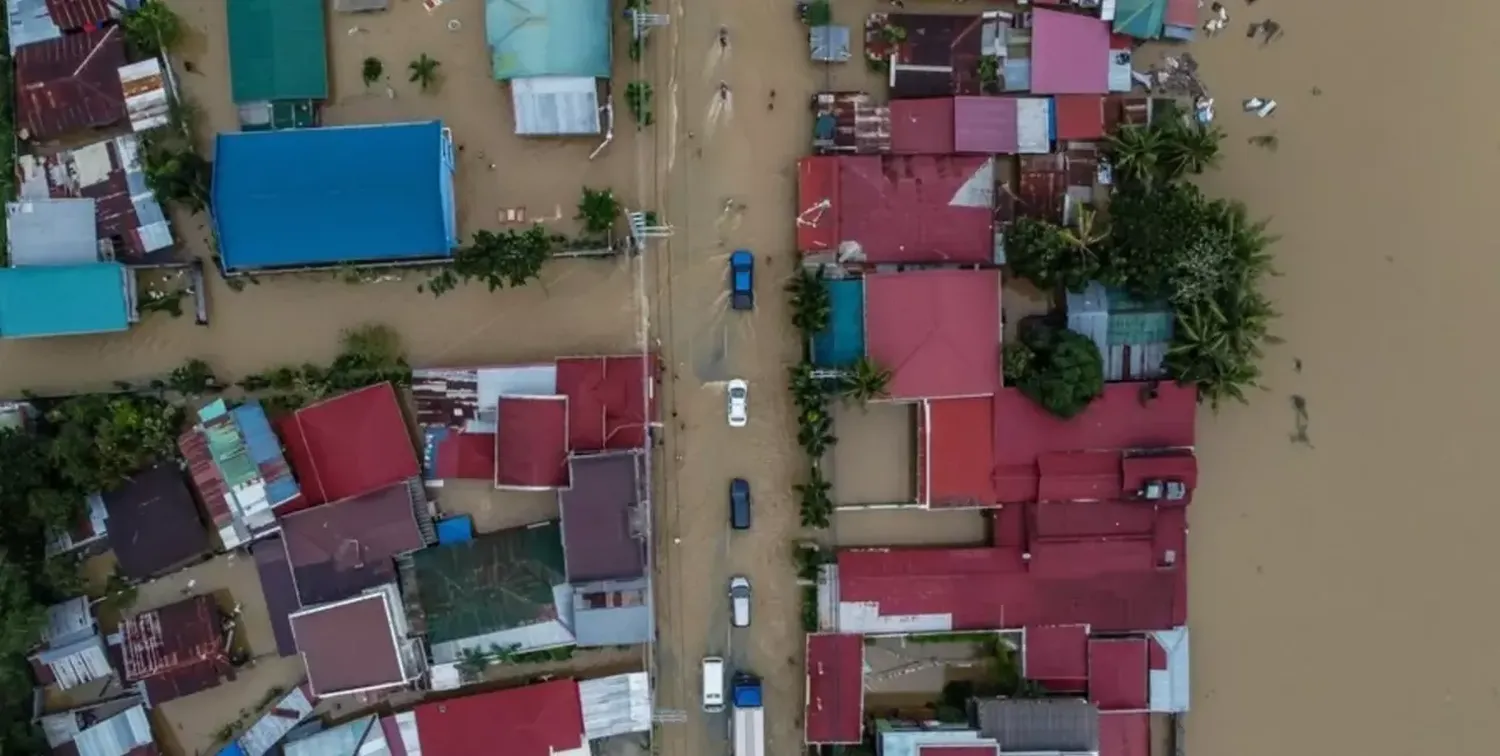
point(957, 453)
point(985, 125)
point(1057, 657)
point(349, 445)
point(1122, 734)
point(1071, 520)
point(537, 720)
point(607, 401)
point(818, 205)
point(1079, 116)
point(154, 523)
point(1118, 675)
point(917, 208)
point(176, 650)
point(937, 331)
point(1043, 187)
point(598, 519)
point(531, 446)
point(466, 456)
point(922, 127)
point(949, 749)
point(70, 84)
point(1116, 421)
point(1079, 476)
point(950, 43)
point(835, 688)
point(279, 589)
point(349, 645)
point(340, 549)
point(73, 15)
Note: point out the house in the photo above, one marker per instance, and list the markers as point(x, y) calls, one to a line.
point(130, 225)
point(1067, 726)
point(51, 232)
point(508, 588)
point(341, 549)
point(942, 336)
point(615, 705)
point(118, 727)
point(72, 651)
point(850, 122)
point(835, 703)
point(177, 650)
point(88, 535)
point(314, 197)
point(153, 523)
point(238, 469)
point(358, 644)
point(348, 445)
point(33, 21)
point(283, 715)
point(278, 62)
point(933, 55)
point(70, 84)
point(66, 300)
point(538, 720)
point(612, 612)
point(1132, 336)
point(601, 529)
point(279, 588)
point(1069, 53)
point(552, 53)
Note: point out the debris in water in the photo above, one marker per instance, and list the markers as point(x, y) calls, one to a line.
point(724, 36)
point(1259, 106)
point(723, 90)
point(1267, 141)
point(1297, 364)
point(1269, 30)
point(1299, 412)
point(1317, 91)
point(1203, 108)
point(1253, 31)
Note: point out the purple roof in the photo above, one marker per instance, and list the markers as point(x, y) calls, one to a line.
point(985, 125)
point(1069, 53)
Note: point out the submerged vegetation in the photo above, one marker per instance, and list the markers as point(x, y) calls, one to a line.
point(638, 99)
point(370, 354)
point(498, 260)
point(424, 72)
point(152, 29)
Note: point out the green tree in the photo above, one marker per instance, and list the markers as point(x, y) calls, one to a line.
point(509, 258)
point(864, 381)
point(638, 100)
point(808, 392)
point(1189, 147)
point(176, 173)
point(424, 71)
point(194, 378)
point(472, 662)
point(598, 209)
point(1017, 359)
point(817, 13)
point(371, 70)
point(152, 29)
point(1135, 153)
point(1067, 371)
point(815, 499)
point(1217, 344)
point(812, 304)
point(1048, 256)
point(100, 441)
point(815, 432)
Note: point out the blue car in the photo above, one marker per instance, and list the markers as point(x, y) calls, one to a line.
point(742, 280)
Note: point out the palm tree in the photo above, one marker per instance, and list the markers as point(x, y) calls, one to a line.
point(812, 305)
point(638, 99)
point(1189, 147)
point(865, 380)
point(1134, 152)
point(372, 70)
point(808, 392)
point(815, 498)
point(815, 432)
point(424, 71)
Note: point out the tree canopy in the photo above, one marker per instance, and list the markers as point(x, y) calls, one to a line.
point(1062, 371)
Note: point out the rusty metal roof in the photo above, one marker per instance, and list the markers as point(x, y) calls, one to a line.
point(1044, 183)
point(108, 172)
point(70, 84)
point(177, 650)
point(858, 124)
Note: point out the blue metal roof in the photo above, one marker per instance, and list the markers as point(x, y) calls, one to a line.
point(63, 300)
point(548, 38)
point(355, 194)
point(265, 451)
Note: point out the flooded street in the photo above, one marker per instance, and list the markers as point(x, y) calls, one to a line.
point(1310, 561)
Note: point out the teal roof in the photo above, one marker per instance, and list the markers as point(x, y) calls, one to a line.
point(63, 300)
point(1141, 19)
point(547, 38)
point(278, 50)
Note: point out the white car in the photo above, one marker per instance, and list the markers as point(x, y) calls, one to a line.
point(739, 601)
point(739, 403)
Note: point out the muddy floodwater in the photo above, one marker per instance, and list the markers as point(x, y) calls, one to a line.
point(1342, 588)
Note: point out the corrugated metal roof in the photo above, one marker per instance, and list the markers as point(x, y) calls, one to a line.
point(353, 644)
point(1118, 673)
point(349, 445)
point(176, 650)
point(64, 300)
point(1040, 725)
point(116, 736)
point(1170, 690)
point(835, 701)
point(531, 446)
point(109, 172)
point(1079, 116)
point(154, 523)
point(926, 742)
point(985, 125)
point(538, 720)
point(548, 38)
point(922, 127)
point(1033, 125)
point(69, 84)
point(939, 330)
point(267, 731)
point(850, 122)
point(278, 50)
point(829, 44)
point(145, 94)
point(555, 105)
point(1141, 19)
point(339, 549)
point(615, 705)
point(359, 737)
point(1069, 53)
point(601, 527)
point(612, 613)
point(51, 232)
point(33, 21)
point(916, 208)
point(68, 621)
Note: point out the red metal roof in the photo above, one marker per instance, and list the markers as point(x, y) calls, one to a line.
point(466, 456)
point(349, 646)
point(917, 208)
point(1057, 656)
point(1110, 586)
point(818, 205)
point(985, 125)
point(1125, 734)
point(1079, 116)
point(70, 84)
point(1118, 675)
point(349, 445)
point(342, 548)
point(531, 447)
point(537, 720)
point(177, 650)
point(1065, 520)
point(1069, 53)
point(607, 401)
point(835, 688)
point(1079, 476)
point(959, 453)
point(937, 331)
point(922, 127)
point(1117, 420)
point(74, 15)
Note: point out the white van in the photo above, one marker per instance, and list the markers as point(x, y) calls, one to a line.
point(713, 684)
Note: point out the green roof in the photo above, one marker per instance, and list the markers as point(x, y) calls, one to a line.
point(63, 300)
point(497, 581)
point(278, 50)
point(1141, 19)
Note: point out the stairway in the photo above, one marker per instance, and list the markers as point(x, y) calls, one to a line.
point(421, 509)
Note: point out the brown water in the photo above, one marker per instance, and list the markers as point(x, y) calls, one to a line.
point(1340, 592)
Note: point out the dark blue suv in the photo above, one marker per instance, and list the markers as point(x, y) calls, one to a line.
point(739, 504)
point(742, 280)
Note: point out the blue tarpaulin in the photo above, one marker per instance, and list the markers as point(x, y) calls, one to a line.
point(455, 530)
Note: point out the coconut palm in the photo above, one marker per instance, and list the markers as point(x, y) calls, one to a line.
point(864, 381)
point(424, 71)
point(815, 432)
point(812, 305)
point(808, 392)
point(1135, 153)
point(638, 99)
point(815, 499)
point(1087, 231)
point(1189, 147)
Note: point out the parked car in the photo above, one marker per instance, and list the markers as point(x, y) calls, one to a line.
point(739, 403)
point(739, 504)
point(742, 280)
point(739, 601)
